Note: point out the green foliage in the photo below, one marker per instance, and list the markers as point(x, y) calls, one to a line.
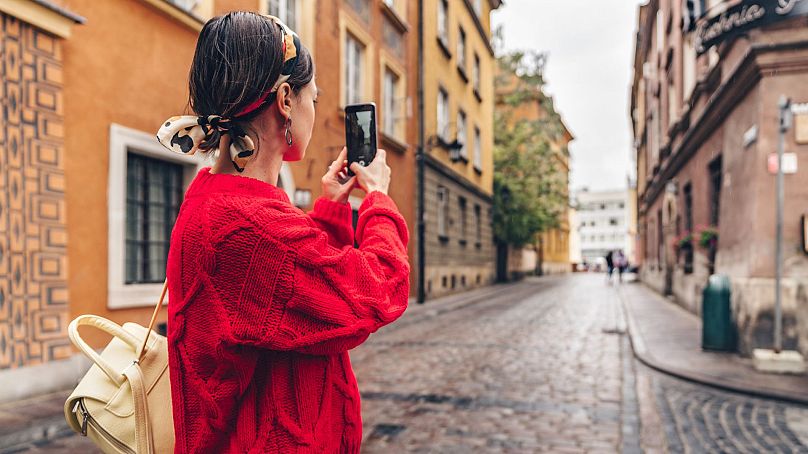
point(530, 192)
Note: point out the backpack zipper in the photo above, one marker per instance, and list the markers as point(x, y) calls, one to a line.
point(87, 419)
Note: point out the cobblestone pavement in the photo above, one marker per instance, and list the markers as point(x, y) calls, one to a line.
point(539, 366)
point(543, 366)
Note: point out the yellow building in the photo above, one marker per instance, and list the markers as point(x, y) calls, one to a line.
point(550, 253)
point(458, 108)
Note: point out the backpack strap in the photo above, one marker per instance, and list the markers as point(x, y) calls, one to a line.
point(143, 432)
point(153, 320)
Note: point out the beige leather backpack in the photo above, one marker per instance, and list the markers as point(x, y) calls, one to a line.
point(123, 403)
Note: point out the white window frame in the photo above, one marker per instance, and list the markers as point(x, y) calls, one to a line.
point(461, 48)
point(443, 21)
point(443, 205)
point(462, 135)
point(391, 107)
point(475, 75)
point(354, 68)
point(478, 149)
point(123, 140)
point(443, 113)
point(283, 8)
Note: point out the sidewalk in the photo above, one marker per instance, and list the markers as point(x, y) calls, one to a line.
point(666, 337)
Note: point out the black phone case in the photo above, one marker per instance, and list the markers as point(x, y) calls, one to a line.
point(359, 152)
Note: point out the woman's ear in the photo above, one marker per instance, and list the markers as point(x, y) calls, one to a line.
point(283, 98)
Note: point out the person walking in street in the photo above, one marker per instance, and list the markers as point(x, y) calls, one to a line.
point(609, 266)
point(620, 264)
point(265, 300)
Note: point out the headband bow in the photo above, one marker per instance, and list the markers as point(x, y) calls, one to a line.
point(186, 134)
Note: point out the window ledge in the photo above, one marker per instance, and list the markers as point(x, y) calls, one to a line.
point(186, 18)
point(393, 143)
point(463, 75)
point(444, 47)
point(394, 18)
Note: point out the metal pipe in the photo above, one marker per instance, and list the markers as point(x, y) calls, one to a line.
point(420, 158)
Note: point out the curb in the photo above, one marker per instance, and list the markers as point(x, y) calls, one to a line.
point(644, 356)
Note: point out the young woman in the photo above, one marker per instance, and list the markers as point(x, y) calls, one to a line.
point(266, 300)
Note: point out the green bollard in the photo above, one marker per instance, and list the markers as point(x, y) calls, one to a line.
point(718, 329)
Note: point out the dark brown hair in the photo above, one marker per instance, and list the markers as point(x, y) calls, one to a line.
point(238, 58)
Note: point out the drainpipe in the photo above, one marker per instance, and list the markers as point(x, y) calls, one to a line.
point(420, 159)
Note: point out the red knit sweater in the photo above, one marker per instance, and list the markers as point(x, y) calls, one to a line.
point(265, 302)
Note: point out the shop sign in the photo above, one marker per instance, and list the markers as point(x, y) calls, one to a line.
point(789, 163)
point(746, 15)
point(800, 112)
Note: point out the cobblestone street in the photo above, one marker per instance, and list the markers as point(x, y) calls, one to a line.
point(539, 366)
point(543, 366)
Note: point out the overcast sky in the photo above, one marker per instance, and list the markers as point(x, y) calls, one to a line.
point(591, 47)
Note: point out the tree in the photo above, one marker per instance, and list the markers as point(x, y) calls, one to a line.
point(530, 192)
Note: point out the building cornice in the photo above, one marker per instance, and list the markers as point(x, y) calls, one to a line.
point(729, 94)
point(43, 14)
point(435, 164)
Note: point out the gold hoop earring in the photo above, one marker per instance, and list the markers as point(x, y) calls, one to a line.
point(288, 133)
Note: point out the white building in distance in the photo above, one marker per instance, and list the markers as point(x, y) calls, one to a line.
point(603, 224)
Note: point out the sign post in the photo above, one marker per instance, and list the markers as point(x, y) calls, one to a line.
point(785, 124)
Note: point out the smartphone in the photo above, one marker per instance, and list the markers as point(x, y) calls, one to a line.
point(360, 133)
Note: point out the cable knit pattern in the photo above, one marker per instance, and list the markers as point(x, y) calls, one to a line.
point(264, 303)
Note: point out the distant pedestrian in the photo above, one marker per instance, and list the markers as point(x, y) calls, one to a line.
point(609, 266)
point(620, 263)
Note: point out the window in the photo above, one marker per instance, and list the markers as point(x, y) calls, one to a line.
point(443, 22)
point(354, 61)
point(613, 221)
point(461, 134)
point(478, 7)
point(153, 195)
point(443, 113)
point(461, 49)
point(478, 149)
point(142, 207)
point(443, 211)
point(660, 240)
point(285, 10)
point(390, 104)
point(478, 222)
point(461, 202)
point(475, 74)
point(715, 190)
point(687, 193)
point(186, 5)
point(390, 3)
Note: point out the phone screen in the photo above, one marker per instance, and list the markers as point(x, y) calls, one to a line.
point(360, 133)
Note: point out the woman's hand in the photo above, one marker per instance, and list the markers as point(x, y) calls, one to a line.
point(374, 177)
point(335, 186)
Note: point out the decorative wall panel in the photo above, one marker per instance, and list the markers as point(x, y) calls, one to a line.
point(33, 234)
